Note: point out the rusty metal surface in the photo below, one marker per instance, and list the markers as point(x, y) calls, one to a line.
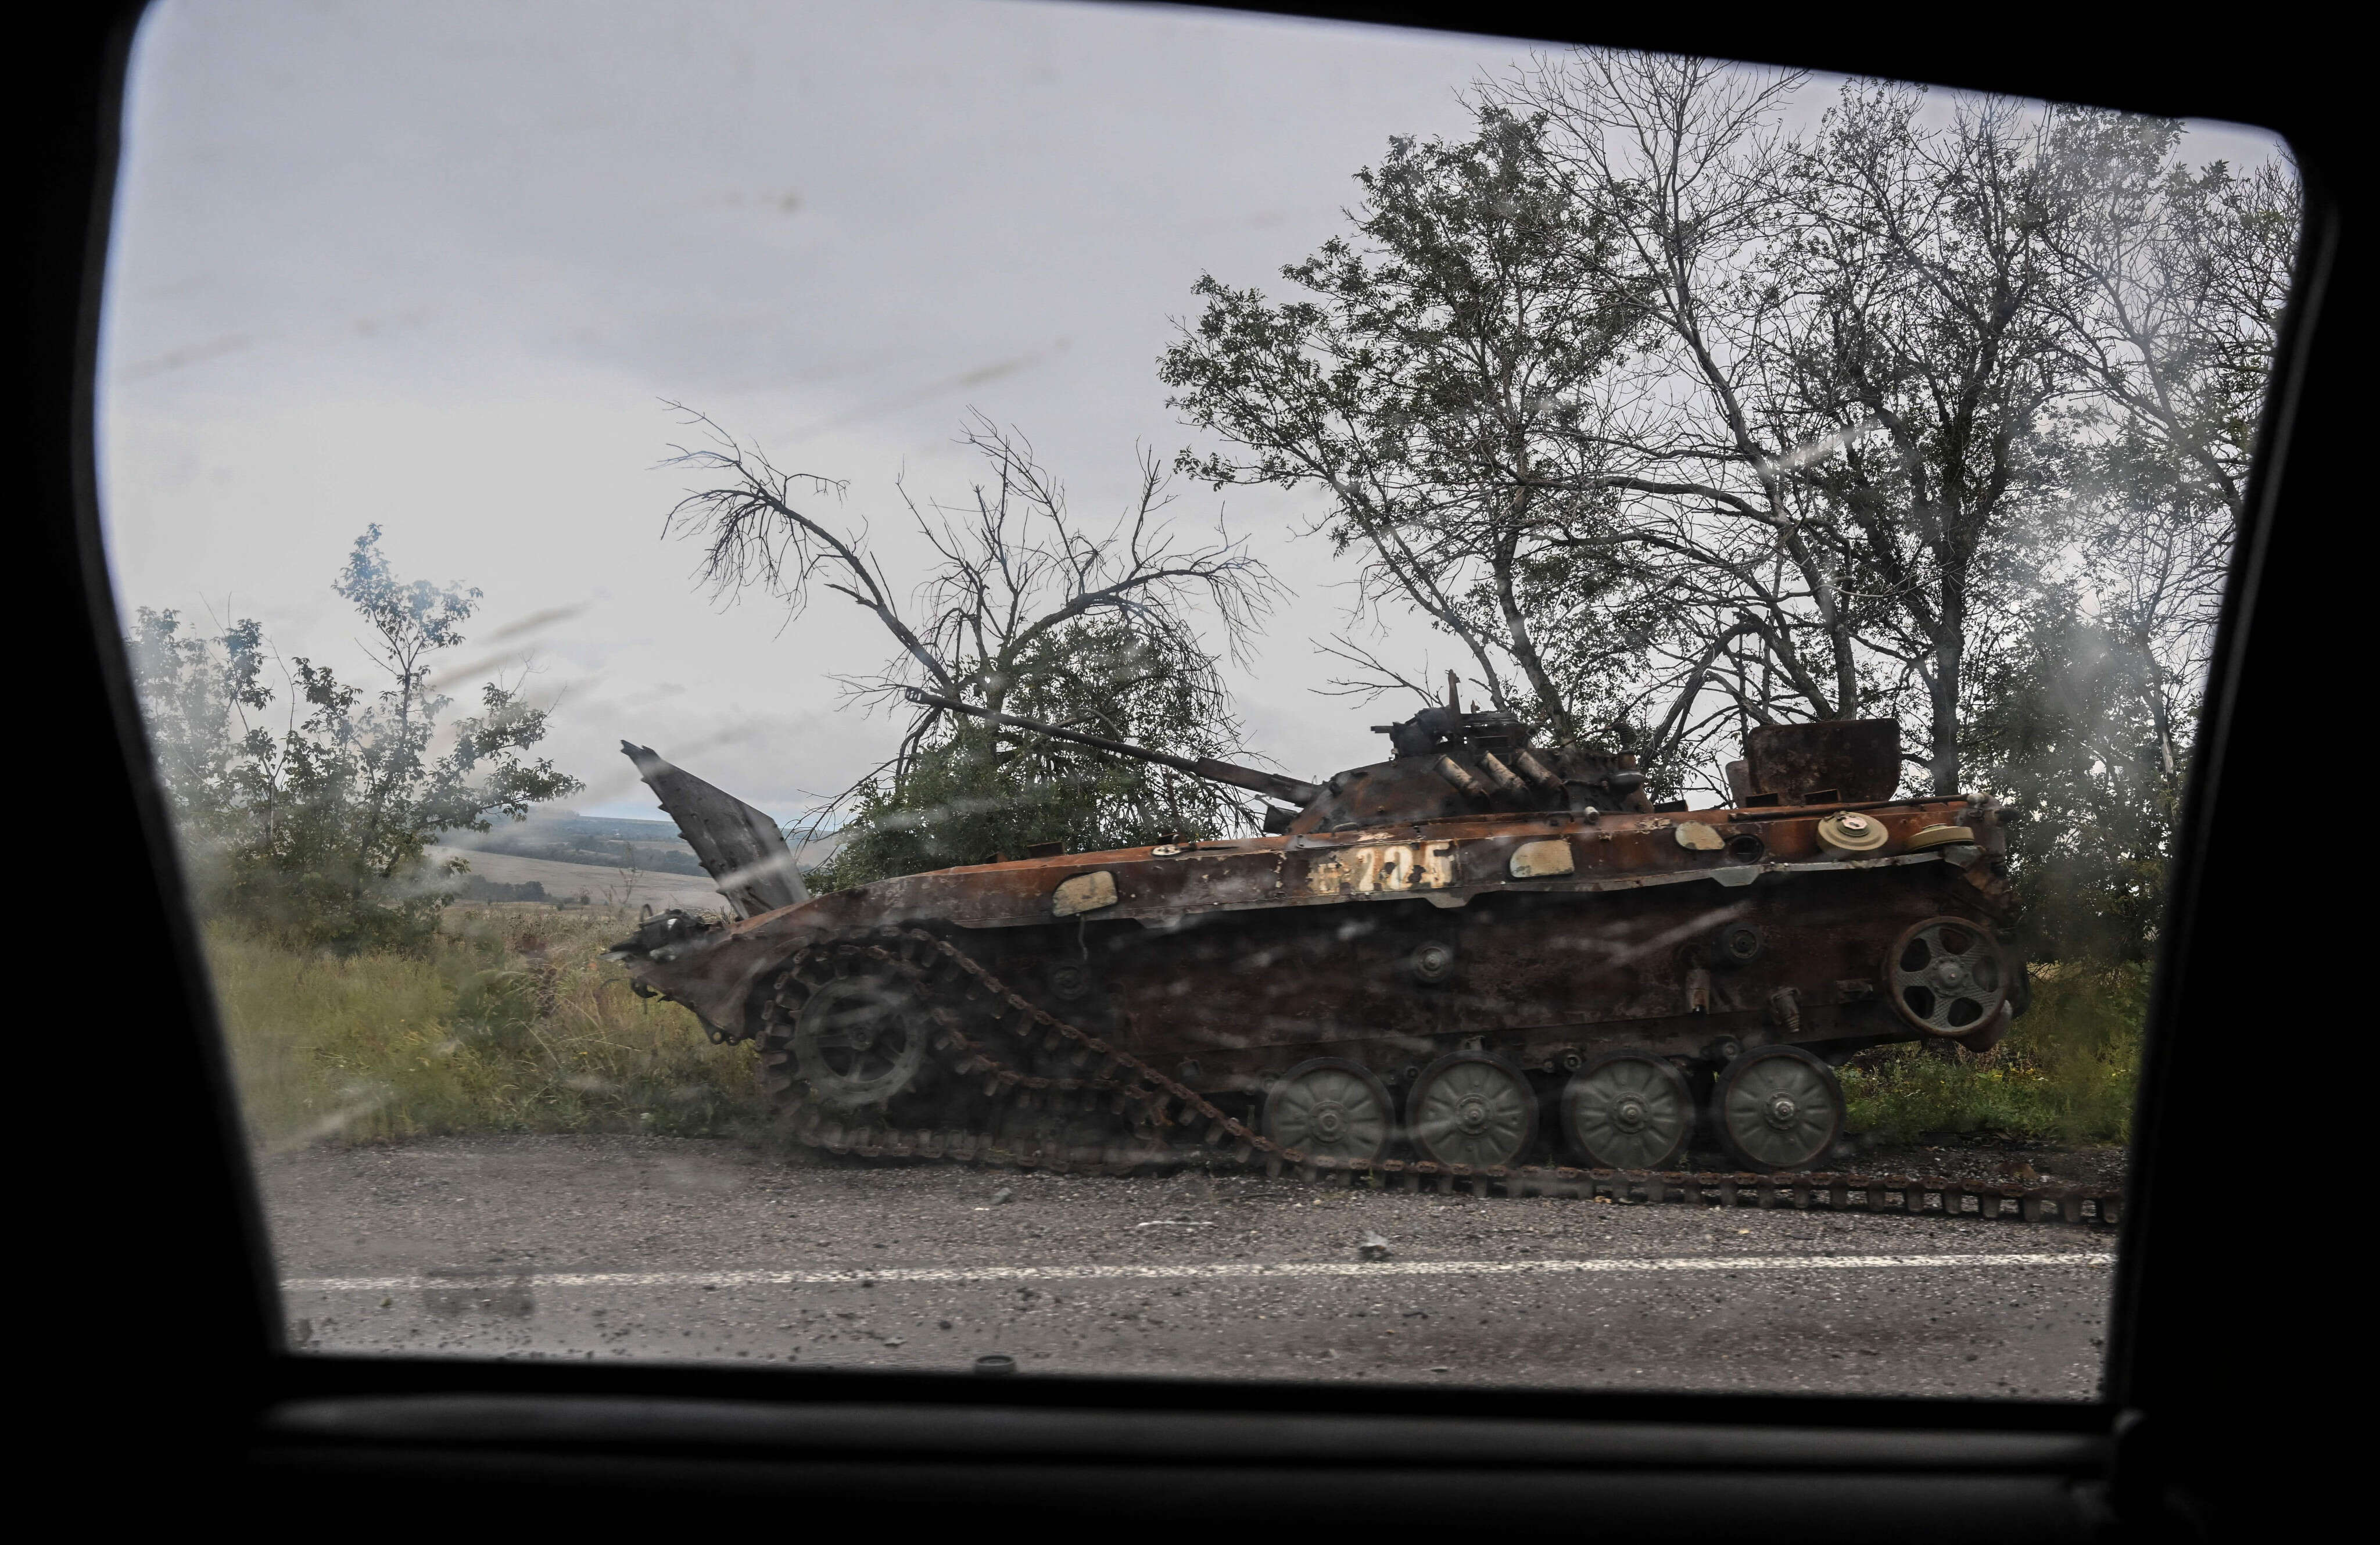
point(1448, 763)
point(1474, 897)
point(1232, 952)
point(1857, 759)
point(738, 846)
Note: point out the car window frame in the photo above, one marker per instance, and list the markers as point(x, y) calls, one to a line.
point(2151, 1427)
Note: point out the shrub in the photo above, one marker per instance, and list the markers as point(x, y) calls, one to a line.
point(319, 831)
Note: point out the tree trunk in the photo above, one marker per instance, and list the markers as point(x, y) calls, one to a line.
point(1551, 711)
point(1949, 669)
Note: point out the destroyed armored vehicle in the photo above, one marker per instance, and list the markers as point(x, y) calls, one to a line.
point(1479, 957)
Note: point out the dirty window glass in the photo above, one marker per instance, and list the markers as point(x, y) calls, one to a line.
point(1055, 688)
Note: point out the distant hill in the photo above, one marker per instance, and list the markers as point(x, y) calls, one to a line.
point(504, 877)
point(653, 846)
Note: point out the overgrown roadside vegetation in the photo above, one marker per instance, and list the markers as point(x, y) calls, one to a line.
point(504, 1020)
point(2067, 1072)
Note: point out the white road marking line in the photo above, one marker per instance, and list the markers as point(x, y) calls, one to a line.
point(1282, 1270)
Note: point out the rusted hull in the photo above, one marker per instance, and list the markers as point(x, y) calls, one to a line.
point(1542, 979)
point(1856, 758)
point(1548, 938)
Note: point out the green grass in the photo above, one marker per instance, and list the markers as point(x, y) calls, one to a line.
point(2066, 1073)
point(509, 1023)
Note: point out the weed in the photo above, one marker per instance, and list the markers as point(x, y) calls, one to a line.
point(507, 1023)
point(2067, 1072)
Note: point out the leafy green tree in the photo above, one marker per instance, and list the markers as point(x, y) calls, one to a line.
point(2008, 370)
point(203, 696)
point(320, 832)
point(1026, 611)
point(1436, 376)
point(2065, 730)
point(1933, 321)
point(1758, 619)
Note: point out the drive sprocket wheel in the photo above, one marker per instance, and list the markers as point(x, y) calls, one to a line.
point(1948, 977)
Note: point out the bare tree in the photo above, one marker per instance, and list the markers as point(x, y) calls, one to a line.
point(1686, 155)
point(1026, 610)
point(1935, 298)
point(1839, 444)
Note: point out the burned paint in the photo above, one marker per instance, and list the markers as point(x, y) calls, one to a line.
point(1557, 935)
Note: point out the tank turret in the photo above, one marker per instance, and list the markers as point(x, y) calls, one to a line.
point(1445, 762)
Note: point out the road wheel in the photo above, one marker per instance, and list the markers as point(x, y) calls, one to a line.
point(1948, 976)
point(1472, 1108)
point(1628, 1111)
point(859, 1040)
point(1778, 1108)
point(1331, 1108)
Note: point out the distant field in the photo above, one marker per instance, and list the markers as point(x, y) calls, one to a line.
point(651, 847)
point(608, 887)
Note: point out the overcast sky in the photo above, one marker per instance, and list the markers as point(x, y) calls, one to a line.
point(437, 265)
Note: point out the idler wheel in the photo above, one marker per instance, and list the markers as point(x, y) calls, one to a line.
point(1472, 1108)
point(1778, 1108)
point(1628, 1111)
point(1331, 1108)
point(859, 1041)
point(1948, 976)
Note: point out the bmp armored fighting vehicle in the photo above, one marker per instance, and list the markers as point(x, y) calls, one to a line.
point(1479, 956)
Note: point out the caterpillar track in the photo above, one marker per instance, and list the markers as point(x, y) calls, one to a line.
point(977, 1073)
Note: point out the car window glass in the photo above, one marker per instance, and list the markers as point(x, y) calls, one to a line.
point(1084, 689)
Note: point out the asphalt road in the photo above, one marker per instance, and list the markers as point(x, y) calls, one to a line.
point(670, 1248)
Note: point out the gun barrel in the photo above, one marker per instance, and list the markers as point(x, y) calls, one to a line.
point(1272, 785)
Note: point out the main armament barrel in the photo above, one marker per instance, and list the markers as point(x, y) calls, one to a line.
point(1272, 785)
